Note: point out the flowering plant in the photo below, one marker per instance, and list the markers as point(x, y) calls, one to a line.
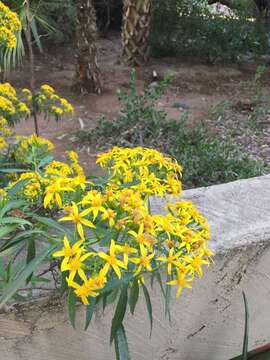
point(115, 241)
point(9, 26)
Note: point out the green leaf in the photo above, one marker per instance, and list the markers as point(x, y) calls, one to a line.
point(14, 204)
point(31, 253)
point(22, 235)
point(12, 288)
point(31, 250)
point(134, 295)
point(116, 283)
point(10, 250)
point(104, 300)
point(149, 306)
point(90, 309)
point(12, 170)
point(245, 343)
point(14, 220)
point(46, 160)
point(50, 223)
point(121, 344)
point(63, 286)
point(18, 186)
point(158, 276)
point(71, 307)
point(7, 229)
point(119, 312)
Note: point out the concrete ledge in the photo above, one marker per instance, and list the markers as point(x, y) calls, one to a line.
point(207, 323)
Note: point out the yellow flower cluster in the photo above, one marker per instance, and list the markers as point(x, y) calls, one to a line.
point(151, 172)
point(33, 186)
point(133, 241)
point(115, 233)
point(57, 179)
point(11, 108)
point(9, 25)
point(48, 101)
point(33, 144)
point(5, 132)
point(62, 181)
point(45, 100)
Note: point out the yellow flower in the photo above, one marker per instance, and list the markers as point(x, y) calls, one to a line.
point(182, 281)
point(100, 280)
point(75, 265)
point(126, 250)
point(171, 259)
point(53, 191)
point(108, 214)
point(3, 143)
point(47, 89)
point(23, 108)
point(196, 263)
point(8, 91)
point(112, 261)
point(143, 238)
point(32, 188)
point(73, 156)
point(95, 200)
point(188, 238)
point(83, 291)
point(57, 110)
point(78, 219)
point(144, 261)
point(166, 223)
point(68, 251)
point(7, 106)
point(58, 168)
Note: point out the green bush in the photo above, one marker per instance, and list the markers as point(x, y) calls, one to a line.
point(206, 158)
point(193, 30)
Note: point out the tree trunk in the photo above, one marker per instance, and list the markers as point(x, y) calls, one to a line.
point(136, 30)
point(87, 70)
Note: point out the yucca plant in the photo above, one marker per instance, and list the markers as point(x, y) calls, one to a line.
point(33, 21)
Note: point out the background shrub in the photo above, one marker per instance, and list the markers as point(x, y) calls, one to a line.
point(193, 29)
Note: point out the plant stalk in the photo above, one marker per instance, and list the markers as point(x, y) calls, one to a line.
point(28, 36)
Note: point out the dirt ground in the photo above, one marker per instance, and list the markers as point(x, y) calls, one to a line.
point(196, 88)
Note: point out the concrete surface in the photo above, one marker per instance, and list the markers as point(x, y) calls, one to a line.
point(207, 323)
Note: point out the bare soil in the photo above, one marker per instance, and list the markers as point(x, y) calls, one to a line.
point(196, 88)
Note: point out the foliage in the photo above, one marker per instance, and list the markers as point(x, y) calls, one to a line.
point(206, 158)
point(116, 241)
point(60, 14)
point(194, 30)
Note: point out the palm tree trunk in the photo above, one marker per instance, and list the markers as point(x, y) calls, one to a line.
point(136, 30)
point(87, 70)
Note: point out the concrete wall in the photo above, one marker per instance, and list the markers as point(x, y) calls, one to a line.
point(207, 323)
